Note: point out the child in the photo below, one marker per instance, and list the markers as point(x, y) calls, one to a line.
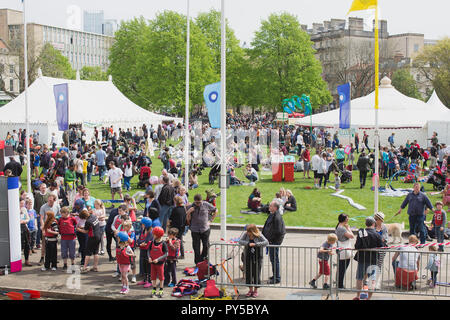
point(253, 254)
point(127, 227)
point(439, 222)
point(32, 223)
point(171, 263)
point(51, 232)
point(324, 255)
point(66, 225)
point(100, 212)
point(433, 266)
point(124, 255)
point(157, 254)
point(143, 243)
point(24, 233)
point(337, 180)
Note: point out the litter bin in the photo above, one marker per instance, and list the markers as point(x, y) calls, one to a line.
point(227, 183)
point(277, 172)
point(288, 168)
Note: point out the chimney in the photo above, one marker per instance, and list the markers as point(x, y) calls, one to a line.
point(382, 25)
point(327, 25)
point(356, 24)
point(317, 27)
point(337, 24)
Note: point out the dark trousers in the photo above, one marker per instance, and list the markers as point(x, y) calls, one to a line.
point(362, 178)
point(170, 272)
point(343, 265)
point(109, 238)
point(434, 277)
point(416, 225)
point(25, 239)
point(82, 241)
point(203, 238)
point(146, 268)
point(51, 254)
point(275, 261)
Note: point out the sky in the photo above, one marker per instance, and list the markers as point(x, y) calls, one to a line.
point(428, 17)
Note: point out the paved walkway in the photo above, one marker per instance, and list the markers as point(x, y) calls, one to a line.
point(101, 285)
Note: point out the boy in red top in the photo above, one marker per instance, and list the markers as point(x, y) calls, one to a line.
point(306, 157)
point(171, 263)
point(439, 222)
point(157, 254)
point(66, 225)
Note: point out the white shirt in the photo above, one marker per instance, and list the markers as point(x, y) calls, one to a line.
point(408, 260)
point(315, 162)
point(299, 139)
point(115, 176)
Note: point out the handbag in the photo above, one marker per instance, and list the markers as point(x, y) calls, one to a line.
point(345, 254)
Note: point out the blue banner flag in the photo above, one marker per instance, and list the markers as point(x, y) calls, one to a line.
point(61, 92)
point(344, 106)
point(212, 100)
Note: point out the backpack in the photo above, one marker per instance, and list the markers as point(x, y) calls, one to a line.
point(202, 271)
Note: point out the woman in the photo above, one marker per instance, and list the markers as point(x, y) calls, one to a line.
point(382, 230)
point(406, 268)
point(100, 212)
point(151, 202)
point(24, 232)
point(193, 180)
point(322, 170)
point(291, 203)
point(127, 173)
point(132, 209)
point(87, 199)
point(344, 234)
point(183, 194)
point(253, 241)
point(254, 201)
point(178, 220)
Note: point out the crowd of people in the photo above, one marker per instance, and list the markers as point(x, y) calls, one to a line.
point(62, 206)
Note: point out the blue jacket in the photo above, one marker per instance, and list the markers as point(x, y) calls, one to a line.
point(416, 203)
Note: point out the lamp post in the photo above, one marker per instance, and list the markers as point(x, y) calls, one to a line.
point(27, 124)
point(186, 126)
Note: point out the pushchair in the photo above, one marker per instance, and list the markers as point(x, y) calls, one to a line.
point(214, 173)
point(437, 180)
point(346, 176)
point(144, 177)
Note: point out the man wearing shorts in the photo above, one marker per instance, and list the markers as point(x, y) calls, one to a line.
point(115, 176)
point(367, 238)
point(92, 228)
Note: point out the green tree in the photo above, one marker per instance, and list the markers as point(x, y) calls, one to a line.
point(125, 53)
point(93, 73)
point(54, 64)
point(434, 64)
point(210, 25)
point(404, 82)
point(285, 64)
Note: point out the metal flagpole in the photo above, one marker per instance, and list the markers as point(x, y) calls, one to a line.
point(377, 82)
point(223, 123)
point(186, 126)
point(27, 124)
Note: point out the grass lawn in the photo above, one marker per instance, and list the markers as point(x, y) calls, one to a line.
point(316, 208)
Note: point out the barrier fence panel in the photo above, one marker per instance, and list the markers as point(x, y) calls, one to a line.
point(402, 270)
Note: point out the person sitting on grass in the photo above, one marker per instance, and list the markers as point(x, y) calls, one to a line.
point(291, 203)
point(251, 174)
point(254, 201)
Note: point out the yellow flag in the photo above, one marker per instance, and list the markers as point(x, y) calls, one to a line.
point(359, 5)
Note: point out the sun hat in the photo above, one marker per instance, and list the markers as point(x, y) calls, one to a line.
point(379, 215)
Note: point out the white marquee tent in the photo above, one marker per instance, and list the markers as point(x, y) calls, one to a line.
point(442, 126)
point(91, 103)
point(409, 118)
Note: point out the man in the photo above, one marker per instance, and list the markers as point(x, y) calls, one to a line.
point(391, 140)
point(92, 228)
point(363, 167)
point(315, 163)
point(165, 199)
point(367, 238)
point(299, 143)
point(14, 166)
point(416, 201)
point(274, 231)
point(198, 216)
point(115, 176)
point(365, 141)
point(51, 205)
point(100, 155)
point(45, 160)
point(40, 198)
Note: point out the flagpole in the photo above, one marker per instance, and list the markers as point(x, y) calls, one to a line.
point(27, 123)
point(223, 123)
point(186, 126)
point(377, 82)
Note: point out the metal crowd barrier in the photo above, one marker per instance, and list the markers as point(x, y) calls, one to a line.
point(299, 265)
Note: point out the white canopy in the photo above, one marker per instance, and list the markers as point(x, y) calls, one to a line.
point(91, 103)
point(396, 111)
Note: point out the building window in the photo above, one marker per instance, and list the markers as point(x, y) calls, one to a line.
point(11, 85)
point(416, 48)
point(11, 68)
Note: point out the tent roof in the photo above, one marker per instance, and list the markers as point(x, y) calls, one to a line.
point(395, 111)
point(89, 102)
point(436, 102)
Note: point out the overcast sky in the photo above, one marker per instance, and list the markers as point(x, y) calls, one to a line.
point(429, 17)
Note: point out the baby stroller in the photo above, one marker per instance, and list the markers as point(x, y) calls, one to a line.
point(437, 180)
point(144, 177)
point(214, 173)
point(346, 176)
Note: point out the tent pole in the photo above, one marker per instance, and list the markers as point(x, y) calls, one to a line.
point(186, 126)
point(377, 82)
point(27, 122)
point(223, 140)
